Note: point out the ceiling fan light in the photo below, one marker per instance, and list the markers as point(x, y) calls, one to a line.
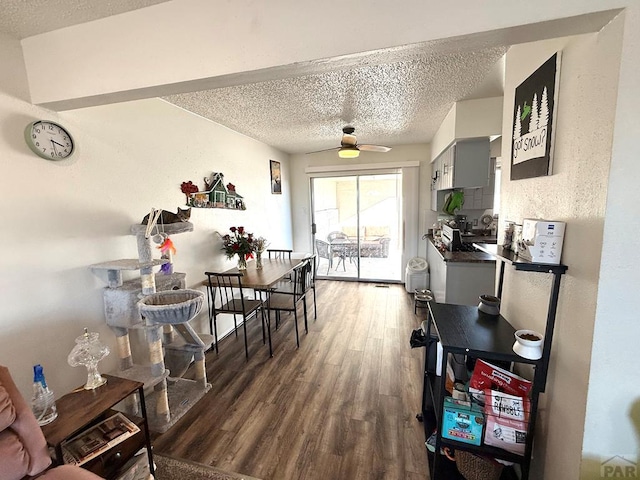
point(348, 152)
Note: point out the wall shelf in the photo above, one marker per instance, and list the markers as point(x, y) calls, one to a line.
point(508, 256)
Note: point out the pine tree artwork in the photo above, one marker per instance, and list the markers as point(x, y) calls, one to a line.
point(516, 127)
point(533, 120)
point(534, 107)
point(544, 108)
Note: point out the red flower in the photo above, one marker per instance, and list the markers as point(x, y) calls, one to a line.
point(238, 243)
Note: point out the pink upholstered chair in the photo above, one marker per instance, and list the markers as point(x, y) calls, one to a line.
point(23, 449)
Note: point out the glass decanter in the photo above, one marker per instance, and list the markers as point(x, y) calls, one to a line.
point(88, 352)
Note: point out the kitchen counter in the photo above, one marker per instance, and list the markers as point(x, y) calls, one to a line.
point(467, 257)
point(476, 238)
point(459, 278)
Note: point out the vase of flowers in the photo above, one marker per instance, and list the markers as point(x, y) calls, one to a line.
point(260, 244)
point(239, 243)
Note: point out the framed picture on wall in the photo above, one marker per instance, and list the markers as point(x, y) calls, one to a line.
point(276, 179)
point(534, 113)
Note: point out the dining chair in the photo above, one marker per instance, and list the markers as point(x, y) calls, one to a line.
point(227, 289)
point(286, 302)
point(279, 253)
point(282, 253)
point(314, 266)
point(289, 288)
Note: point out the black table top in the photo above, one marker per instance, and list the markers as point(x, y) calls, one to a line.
point(465, 329)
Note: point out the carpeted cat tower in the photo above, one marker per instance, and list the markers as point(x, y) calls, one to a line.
point(161, 306)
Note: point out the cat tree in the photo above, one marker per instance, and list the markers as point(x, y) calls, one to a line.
point(161, 306)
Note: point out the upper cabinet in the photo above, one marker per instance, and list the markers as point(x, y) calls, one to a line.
point(464, 164)
point(460, 149)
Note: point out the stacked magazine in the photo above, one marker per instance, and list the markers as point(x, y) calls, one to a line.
point(98, 439)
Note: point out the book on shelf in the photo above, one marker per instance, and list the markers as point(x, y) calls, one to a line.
point(98, 439)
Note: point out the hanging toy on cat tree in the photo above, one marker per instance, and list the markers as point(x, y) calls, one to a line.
point(156, 219)
point(168, 250)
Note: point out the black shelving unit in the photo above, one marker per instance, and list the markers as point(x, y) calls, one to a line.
point(466, 330)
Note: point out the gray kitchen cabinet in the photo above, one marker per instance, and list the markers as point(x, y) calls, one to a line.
point(447, 165)
point(436, 174)
point(434, 199)
point(437, 273)
point(464, 164)
point(438, 194)
point(459, 282)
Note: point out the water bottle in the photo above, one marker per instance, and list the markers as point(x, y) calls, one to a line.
point(43, 403)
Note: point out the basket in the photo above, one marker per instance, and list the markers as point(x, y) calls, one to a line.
point(476, 467)
point(171, 306)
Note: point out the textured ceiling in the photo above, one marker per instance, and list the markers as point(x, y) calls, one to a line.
point(391, 98)
point(389, 104)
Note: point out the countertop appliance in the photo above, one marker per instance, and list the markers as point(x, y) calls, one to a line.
point(461, 223)
point(452, 240)
point(541, 241)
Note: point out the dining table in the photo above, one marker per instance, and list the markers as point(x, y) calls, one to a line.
point(273, 270)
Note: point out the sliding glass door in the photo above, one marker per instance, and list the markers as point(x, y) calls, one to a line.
point(357, 220)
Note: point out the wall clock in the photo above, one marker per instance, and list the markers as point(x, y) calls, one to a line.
point(49, 140)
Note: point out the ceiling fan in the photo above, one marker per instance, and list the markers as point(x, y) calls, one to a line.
point(349, 147)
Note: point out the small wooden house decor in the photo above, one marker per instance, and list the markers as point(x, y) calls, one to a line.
point(215, 194)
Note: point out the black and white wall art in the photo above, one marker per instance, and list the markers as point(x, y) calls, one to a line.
point(534, 112)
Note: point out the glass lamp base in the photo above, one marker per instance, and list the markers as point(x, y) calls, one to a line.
point(94, 379)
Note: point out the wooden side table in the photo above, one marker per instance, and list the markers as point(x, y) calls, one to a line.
point(82, 408)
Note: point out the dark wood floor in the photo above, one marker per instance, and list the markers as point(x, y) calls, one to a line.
point(342, 406)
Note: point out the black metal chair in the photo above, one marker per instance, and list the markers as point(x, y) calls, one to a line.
point(314, 265)
point(288, 302)
point(225, 287)
point(279, 253)
point(289, 287)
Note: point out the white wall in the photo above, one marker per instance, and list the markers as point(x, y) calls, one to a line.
point(480, 117)
point(445, 135)
point(612, 422)
point(576, 194)
point(61, 217)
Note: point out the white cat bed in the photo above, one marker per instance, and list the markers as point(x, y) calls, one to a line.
point(171, 306)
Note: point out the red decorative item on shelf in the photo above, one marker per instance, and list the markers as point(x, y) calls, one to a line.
point(188, 188)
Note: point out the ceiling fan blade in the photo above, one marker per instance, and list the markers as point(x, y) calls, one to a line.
point(325, 150)
point(374, 148)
